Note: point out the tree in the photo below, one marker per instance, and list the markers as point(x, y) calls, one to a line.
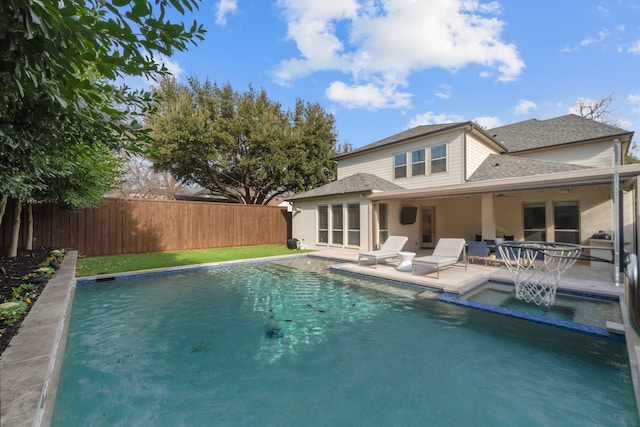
point(58, 61)
point(240, 145)
point(595, 110)
point(141, 181)
point(600, 111)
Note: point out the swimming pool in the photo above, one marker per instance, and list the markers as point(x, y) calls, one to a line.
point(289, 343)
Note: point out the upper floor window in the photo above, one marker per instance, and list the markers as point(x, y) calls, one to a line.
point(439, 158)
point(418, 162)
point(400, 165)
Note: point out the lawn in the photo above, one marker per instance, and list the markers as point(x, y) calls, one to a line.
point(122, 263)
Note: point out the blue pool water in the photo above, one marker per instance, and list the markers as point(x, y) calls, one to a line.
point(289, 343)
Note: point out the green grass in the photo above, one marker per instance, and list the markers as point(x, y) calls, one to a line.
point(123, 263)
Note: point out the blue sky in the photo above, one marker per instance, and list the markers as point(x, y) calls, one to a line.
point(383, 66)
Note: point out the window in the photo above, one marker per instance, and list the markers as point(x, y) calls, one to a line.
point(566, 219)
point(353, 224)
point(336, 224)
point(400, 165)
point(417, 162)
point(383, 222)
point(535, 227)
point(323, 224)
point(439, 158)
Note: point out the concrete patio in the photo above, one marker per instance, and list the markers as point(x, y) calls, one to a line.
point(581, 277)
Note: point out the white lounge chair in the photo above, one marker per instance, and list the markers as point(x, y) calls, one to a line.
point(389, 249)
point(446, 254)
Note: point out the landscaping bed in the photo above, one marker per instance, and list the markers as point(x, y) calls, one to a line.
point(15, 286)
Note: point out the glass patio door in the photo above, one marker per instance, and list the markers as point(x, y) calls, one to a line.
point(428, 226)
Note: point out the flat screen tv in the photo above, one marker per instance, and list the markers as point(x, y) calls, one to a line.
point(408, 215)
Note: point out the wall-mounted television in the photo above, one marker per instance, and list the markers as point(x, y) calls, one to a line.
point(408, 215)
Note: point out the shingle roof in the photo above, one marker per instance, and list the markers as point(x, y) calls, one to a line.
point(358, 183)
point(498, 166)
point(534, 133)
point(415, 132)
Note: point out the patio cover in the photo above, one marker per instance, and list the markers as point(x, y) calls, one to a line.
point(591, 176)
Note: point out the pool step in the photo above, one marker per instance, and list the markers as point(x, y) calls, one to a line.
point(615, 328)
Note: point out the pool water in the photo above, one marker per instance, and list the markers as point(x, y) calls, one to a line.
point(290, 343)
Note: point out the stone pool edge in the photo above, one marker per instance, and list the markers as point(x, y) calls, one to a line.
point(30, 365)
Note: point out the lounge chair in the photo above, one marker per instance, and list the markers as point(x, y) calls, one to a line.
point(446, 254)
point(389, 249)
point(478, 250)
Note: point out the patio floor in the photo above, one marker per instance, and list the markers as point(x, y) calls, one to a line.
point(458, 280)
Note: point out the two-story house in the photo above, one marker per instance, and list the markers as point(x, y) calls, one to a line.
point(541, 180)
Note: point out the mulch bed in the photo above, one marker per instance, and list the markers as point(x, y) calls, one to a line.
point(11, 272)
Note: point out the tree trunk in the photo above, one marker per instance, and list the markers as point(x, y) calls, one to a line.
point(3, 206)
point(13, 246)
point(29, 246)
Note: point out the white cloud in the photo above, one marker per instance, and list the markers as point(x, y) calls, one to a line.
point(224, 8)
point(443, 91)
point(488, 122)
point(143, 83)
point(380, 43)
point(634, 100)
point(173, 67)
point(367, 96)
point(634, 48)
point(431, 118)
point(524, 106)
point(602, 36)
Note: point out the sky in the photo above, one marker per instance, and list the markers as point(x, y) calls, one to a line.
point(384, 66)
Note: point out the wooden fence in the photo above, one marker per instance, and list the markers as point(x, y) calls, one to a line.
point(127, 226)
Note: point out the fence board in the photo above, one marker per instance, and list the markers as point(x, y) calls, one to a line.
point(126, 226)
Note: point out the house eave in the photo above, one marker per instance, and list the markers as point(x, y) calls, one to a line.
point(332, 195)
point(561, 179)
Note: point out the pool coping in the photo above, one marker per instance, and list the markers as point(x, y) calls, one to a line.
point(31, 364)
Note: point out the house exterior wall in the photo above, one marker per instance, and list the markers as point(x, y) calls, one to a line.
point(477, 152)
point(305, 221)
point(381, 162)
point(596, 154)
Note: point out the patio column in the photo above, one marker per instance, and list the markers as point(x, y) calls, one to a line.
point(488, 217)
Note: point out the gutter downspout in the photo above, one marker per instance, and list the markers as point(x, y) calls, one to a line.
point(618, 243)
